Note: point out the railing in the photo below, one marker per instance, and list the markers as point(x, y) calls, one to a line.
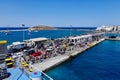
point(44, 75)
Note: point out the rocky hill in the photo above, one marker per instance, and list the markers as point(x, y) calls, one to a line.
point(42, 27)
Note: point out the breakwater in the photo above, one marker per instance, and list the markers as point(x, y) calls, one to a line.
point(54, 61)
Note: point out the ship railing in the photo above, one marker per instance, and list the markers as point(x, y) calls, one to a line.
point(44, 75)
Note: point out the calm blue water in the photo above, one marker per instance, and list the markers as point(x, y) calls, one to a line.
point(18, 35)
point(13, 28)
point(101, 62)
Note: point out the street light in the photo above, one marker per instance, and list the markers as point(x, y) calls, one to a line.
point(70, 30)
point(70, 40)
point(23, 31)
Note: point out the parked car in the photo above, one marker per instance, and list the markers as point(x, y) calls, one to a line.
point(35, 54)
point(19, 54)
point(30, 51)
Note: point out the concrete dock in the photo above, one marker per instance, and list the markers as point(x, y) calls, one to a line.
point(52, 62)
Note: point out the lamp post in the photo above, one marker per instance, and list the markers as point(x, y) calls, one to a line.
point(70, 30)
point(30, 35)
point(70, 41)
point(23, 31)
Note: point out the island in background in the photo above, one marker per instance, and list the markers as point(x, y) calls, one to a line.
point(42, 27)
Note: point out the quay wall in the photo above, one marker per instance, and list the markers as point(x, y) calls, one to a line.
point(85, 48)
point(52, 62)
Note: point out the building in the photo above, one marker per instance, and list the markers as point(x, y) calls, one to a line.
point(108, 28)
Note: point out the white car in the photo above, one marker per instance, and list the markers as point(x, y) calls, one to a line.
point(14, 56)
point(19, 54)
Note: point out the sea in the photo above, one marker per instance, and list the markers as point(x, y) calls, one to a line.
point(21, 33)
point(101, 62)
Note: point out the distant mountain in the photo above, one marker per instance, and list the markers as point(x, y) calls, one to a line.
point(42, 27)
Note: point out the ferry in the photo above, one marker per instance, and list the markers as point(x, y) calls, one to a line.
point(14, 68)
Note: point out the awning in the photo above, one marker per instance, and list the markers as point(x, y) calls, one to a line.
point(17, 43)
point(38, 39)
point(82, 36)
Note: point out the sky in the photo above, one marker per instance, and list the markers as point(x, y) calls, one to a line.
point(60, 13)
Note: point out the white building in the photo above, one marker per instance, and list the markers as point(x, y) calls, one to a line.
point(108, 28)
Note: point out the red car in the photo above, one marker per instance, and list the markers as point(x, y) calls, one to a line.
point(35, 54)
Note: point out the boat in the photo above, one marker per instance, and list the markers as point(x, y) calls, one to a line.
point(36, 31)
point(113, 37)
point(7, 32)
point(29, 32)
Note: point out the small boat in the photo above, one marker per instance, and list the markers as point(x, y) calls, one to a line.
point(113, 37)
point(29, 32)
point(36, 31)
point(7, 32)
